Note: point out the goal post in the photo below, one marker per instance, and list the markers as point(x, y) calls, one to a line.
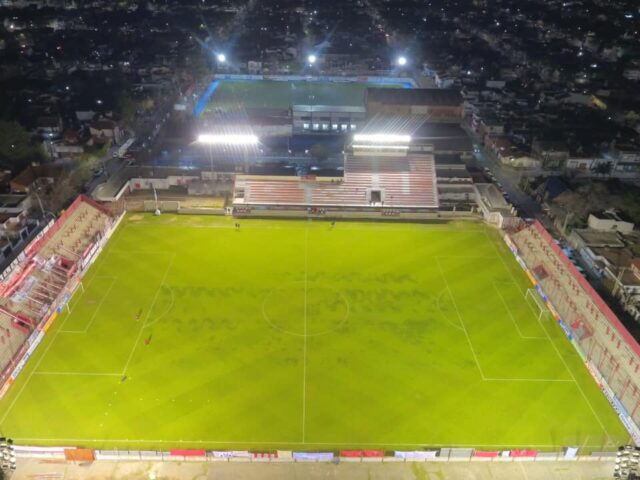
point(540, 308)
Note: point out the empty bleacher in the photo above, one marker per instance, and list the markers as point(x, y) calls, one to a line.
point(407, 181)
point(11, 339)
point(28, 294)
point(607, 345)
point(77, 233)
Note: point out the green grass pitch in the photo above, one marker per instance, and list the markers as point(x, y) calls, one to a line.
point(291, 334)
point(279, 95)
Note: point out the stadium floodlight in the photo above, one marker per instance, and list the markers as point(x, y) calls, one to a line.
point(222, 58)
point(312, 59)
point(381, 138)
point(381, 147)
point(402, 61)
point(221, 139)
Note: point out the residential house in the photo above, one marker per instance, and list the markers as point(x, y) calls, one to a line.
point(49, 126)
point(609, 221)
point(33, 177)
point(552, 154)
point(104, 131)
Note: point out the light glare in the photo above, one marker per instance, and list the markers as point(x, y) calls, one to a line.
point(381, 138)
point(381, 147)
point(312, 59)
point(402, 61)
point(222, 58)
point(212, 139)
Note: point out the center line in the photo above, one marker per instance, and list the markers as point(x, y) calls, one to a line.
point(304, 357)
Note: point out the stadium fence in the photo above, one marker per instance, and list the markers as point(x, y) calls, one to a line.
point(569, 454)
point(607, 349)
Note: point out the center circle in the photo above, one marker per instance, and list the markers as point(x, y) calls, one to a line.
point(305, 311)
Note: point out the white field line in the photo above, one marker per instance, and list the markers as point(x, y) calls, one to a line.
point(144, 323)
point(586, 399)
point(485, 378)
point(44, 353)
point(95, 313)
point(166, 312)
point(541, 380)
point(88, 374)
point(464, 328)
point(331, 444)
point(439, 306)
point(555, 347)
point(304, 356)
point(352, 226)
point(512, 316)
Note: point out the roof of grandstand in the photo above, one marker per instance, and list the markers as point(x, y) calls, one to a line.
point(415, 96)
point(328, 108)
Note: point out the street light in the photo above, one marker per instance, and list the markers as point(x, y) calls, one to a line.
point(402, 61)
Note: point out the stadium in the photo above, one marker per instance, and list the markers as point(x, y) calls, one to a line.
point(398, 309)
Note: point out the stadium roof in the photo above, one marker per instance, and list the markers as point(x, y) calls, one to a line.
point(328, 109)
point(415, 96)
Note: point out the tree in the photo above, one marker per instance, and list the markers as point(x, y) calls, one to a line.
point(17, 147)
point(127, 108)
point(319, 152)
point(147, 104)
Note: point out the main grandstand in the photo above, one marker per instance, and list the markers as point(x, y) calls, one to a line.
point(391, 181)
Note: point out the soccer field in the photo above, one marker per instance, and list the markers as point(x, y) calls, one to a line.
point(293, 334)
point(270, 94)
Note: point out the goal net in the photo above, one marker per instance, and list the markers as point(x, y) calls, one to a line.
point(536, 303)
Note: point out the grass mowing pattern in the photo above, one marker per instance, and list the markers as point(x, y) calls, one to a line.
point(415, 335)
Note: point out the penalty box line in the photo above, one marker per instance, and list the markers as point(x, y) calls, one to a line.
point(512, 316)
point(98, 307)
point(475, 357)
point(53, 340)
point(555, 347)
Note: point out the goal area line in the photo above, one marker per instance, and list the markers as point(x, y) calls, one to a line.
point(542, 310)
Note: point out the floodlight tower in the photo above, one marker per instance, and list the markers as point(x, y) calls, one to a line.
point(234, 140)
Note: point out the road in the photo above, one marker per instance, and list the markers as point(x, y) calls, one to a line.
point(510, 178)
point(146, 130)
